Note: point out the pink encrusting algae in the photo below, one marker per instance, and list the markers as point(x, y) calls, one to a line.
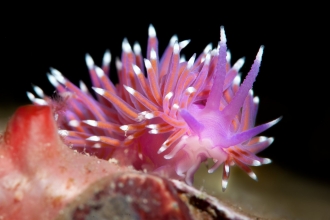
point(165, 115)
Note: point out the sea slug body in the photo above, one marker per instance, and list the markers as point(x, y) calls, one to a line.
point(165, 115)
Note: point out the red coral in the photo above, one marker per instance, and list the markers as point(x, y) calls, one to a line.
point(39, 175)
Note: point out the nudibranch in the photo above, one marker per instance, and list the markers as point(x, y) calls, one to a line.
point(165, 114)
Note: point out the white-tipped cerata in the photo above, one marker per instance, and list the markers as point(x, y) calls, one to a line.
point(223, 35)
point(99, 72)
point(207, 59)
point(184, 43)
point(58, 75)
point(92, 123)
point(93, 138)
point(83, 87)
point(253, 176)
point(224, 184)
point(228, 56)
point(147, 63)
point(106, 58)
point(238, 65)
point(129, 89)
point(151, 31)
point(237, 80)
point(137, 48)
point(126, 47)
point(153, 54)
point(173, 39)
point(63, 132)
point(207, 48)
point(99, 90)
point(124, 127)
point(119, 64)
point(74, 123)
point(191, 61)
point(136, 69)
point(176, 48)
point(38, 91)
point(30, 96)
point(89, 61)
point(260, 52)
point(52, 80)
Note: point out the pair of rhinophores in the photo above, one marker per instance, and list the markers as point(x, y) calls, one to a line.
point(165, 115)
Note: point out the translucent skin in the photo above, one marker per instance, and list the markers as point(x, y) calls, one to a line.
point(169, 121)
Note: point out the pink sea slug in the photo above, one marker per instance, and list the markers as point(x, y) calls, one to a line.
point(165, 115)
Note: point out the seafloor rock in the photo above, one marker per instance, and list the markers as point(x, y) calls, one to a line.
point(41, 178)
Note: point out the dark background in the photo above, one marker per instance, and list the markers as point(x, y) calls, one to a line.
point(292, 81)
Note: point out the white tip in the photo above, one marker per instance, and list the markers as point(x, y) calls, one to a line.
point(260, 52)
point(136, 69)
point(215, 52)
point(251, 92)
point(118, 63)
point(227, 168)
point(228, 56)
point(256, 100)
point(191, 90)
point(184, 43)
point(91, 122)
point(106, 58)
point(169, 95)
point(99, 90)
point(223, 35)
point(93, 138)
point(275, 121)
point(39, 91)
point(263, 138)
point(74, 123)
point(238, 65)
point(153, 131)
point(147, 63)
point(40, 101)
point(176, 48)
point(52, 80)
point(89, 61)
point(58, 75)
point(256, 163)
point(270, 140)
point(224, 184)
point(207, 48)
point(149, 116)
point(83, 87)
point(253, 176)
point(151, 31)
point(97, 145)
point(124, 127)
point(30, 96)
point(175, 106)
point(126, 47)
point(162, 148)
point(137, 48)
point(208, 59)
point(266, 161)
point(63, 132)
point(55, 72)
point(152, 126)
point(173, 39)
point(129, 89)
point(99, 72)
point(191, 61)
point(153, 54)
point(182, 58)
point(237, 80)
